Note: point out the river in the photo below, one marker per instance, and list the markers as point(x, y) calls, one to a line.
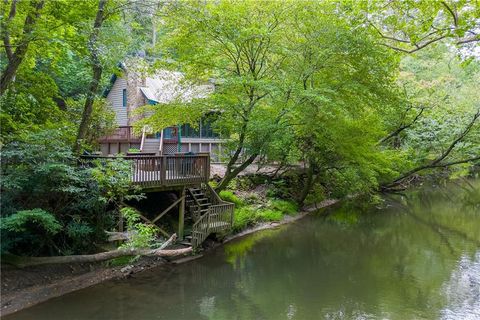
point(413, 256)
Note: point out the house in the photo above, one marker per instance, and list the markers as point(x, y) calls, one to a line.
point(175, 160)
point(134, 88)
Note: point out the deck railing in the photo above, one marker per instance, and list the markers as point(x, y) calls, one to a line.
point(218, 218)
point(123, 133)
point(166, 170)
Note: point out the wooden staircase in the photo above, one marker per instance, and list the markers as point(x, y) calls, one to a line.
point(209, 212)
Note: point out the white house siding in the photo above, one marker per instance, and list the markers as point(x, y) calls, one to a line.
point(115, 97)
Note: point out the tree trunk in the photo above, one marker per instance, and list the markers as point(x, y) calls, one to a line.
point(231, 174)
point(103, 256)
point(16, 57)
point(98, 257)
point(97, 74)
point(307, 186)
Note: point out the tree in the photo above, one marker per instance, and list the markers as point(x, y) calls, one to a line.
point(119, 40)
point(16, 56)
point(96, 74)
point(443, 132)
point(409, 26)
point(342, 88)
point(239, 46)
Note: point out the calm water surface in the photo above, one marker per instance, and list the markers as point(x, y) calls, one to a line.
point(415, 256)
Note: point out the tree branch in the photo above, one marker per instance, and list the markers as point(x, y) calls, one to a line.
point(436, 163)
point(452, 13)
point(401, 128)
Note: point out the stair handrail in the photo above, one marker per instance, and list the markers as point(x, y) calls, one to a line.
point(194, 199)
point(197, 228)
point(217, 212)
point(144, 129)
point(216, 198)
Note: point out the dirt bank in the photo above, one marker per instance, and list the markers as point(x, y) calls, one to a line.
point(22, 288)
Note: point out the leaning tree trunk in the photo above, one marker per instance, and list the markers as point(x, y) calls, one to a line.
point(97, 74)
point(307, 185)
point(16, 57)
point(230, 174)
point(98, 257)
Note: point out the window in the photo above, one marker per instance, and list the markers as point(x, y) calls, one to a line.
point(124, 97)
point(189, 132)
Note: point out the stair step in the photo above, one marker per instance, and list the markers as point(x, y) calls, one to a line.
point(205, 204)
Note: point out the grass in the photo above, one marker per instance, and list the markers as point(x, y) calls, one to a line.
point(269, 215)
point(230, 197)
point(252, 208)
point(274, 210)
point(284, 206)
point(243, 218)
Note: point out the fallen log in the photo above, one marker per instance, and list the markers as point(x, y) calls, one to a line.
point(22, 262)
point(118, 236)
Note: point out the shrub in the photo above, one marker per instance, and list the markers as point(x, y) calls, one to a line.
point(268, 215)
point(21, 221)
point(284, 206)
point(248, 216)
point(244, 217)
point(32, 229)
point(252, 198)
point(142, 235)
point(230, 197)
point(43, 183)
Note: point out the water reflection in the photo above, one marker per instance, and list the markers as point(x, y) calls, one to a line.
point(462, 290)
point(417, 257)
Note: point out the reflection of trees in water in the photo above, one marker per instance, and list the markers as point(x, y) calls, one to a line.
point(462, 290)
point(449, 211)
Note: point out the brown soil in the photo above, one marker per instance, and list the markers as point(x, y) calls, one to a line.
point(22, 288)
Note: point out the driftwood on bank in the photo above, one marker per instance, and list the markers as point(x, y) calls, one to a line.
point(118, 236)
point(98, 257)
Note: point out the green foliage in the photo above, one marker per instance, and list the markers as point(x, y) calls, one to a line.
point(33, 229)
point(19, 222)
point(113, 178)
point(41, 177)
point(142, 235)
point(284, 206)
point(231, 197)
point(309, 85)
point(250, 215)
point(269, 215)
point(244, 217)
point(449, 98)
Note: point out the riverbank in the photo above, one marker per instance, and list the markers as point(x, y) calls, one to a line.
point(23, 288)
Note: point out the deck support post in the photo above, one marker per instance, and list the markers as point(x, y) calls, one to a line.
point(181, 215)
point(120, 221)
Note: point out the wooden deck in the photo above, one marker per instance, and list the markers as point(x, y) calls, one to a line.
point(167, 171)
point(182, 172)
point(122, 134)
